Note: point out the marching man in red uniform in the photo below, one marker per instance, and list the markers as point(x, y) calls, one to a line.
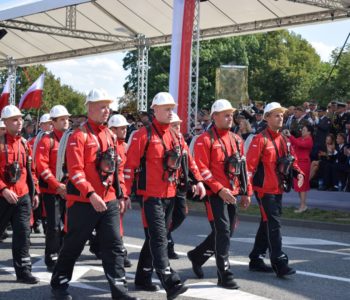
point(19, 191)
point(271, 166)
point(219, 156)
point(157, 152)
point(94, 200)
point(53, 191)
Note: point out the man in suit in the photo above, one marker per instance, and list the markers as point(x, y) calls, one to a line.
point(300, 120)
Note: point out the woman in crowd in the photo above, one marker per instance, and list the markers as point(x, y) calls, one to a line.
point(303, 146)
point(245, 129)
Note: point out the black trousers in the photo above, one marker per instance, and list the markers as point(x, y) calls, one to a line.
point(269, 232)
point(55, 210)
point(154, 253)
point(218, 241)
point(19, 216)
point(82, 219)
point(178, 216)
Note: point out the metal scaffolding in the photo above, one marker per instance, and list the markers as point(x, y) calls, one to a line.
point(12, 74)
point(332, 4)
point(142, 73)
point(129, 43)
point(71, 17)
point(194, 72)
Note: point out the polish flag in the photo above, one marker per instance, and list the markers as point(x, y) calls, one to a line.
point(5, 95)
point(181, 47)
point(32, 98)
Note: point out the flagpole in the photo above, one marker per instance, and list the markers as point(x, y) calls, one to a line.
point(37, 122)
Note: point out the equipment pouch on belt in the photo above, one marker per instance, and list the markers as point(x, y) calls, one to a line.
point(12, 172)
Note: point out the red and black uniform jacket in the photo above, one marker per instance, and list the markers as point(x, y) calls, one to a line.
point(263, 176)
point(46, 158)
point(13, 144)
point(210, 158)
point(81, 154)
point(156, 180)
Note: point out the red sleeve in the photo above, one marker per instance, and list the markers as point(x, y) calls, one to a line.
point(134, 154)
point(192, 165)
point(202, 157)
point(75, 163)
point(121, 151)
point(42, 158)
point(253, 155)
point(249, 185)
point(301, 143)
point(32, 166)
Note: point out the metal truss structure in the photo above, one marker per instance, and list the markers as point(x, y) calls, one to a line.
point(68, 31)
point(119, 43)
point(142, 73)
point(194, 72)
point(331, 4)
point(71, 17)
point(12, 74)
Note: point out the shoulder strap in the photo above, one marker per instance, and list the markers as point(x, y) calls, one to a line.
point(52, 140)
point(149, 135)
point(265, 143)
point(84, 131)
point(211, 134)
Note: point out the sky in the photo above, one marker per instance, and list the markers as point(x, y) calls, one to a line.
point(106, 71)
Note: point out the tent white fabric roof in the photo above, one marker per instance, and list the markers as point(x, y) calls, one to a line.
point(46, 30)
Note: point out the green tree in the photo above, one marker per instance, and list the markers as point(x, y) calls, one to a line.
point(282, 66)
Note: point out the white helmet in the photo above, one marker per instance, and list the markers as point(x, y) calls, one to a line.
point(163, 98)
point(2, 124)
point(45, 118)
point(10, 111)
point(58, 111)
point(96, 95)
point(175, 118)
point(221, 105)
point(117, 121)
point(274, 106)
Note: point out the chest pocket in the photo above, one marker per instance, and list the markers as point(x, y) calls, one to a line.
point(90, 150)
point(155, 149)
point(217, 154)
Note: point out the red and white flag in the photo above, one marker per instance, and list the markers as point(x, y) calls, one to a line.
point(181, 46)
point(32, 98)
point(5, 95)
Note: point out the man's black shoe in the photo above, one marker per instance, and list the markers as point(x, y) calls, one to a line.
point(229, 284)
point(197, 269)
point(127, 262)
point(148, 287)
point(27, 277)
point(59, 294)
point(175, 291)
point(258, 265)
point(283, 270)
point(171, 252)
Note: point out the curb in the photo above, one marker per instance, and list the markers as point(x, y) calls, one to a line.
point(287, 222)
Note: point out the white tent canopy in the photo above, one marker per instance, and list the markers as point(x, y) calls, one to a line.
point(47, 30)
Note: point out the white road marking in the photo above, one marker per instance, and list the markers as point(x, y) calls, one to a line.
point(210, 291)
point(243, 263)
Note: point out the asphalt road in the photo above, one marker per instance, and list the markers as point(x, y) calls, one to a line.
point(321, 257)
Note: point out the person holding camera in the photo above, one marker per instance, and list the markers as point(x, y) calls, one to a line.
point(271, 167)
point(19, 191)
point(94, 200)
point(220, 159)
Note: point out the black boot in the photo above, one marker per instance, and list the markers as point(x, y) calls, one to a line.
point(127, 262)
point(258, 265)
point(197, 268)
point(171, 252)
point(60, 294)
point(27, 277)
point(227, 281)
point(281, 268)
